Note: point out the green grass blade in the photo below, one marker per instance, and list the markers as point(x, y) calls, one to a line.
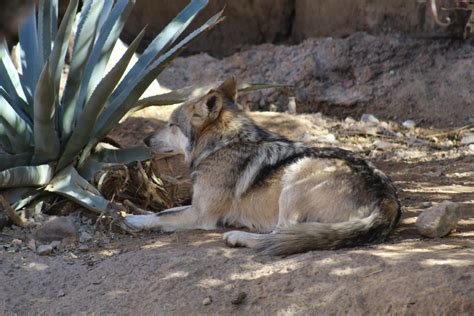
point(46, 137)
point(167, 36)
point(61, 42)
point(84, 41)
point(70, 184)
point(81, 134)
point(25, 176)
point(126, 100)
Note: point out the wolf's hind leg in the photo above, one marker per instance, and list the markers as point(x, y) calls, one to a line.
point(237, 238)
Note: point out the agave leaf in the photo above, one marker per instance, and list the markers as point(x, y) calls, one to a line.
point(56, 60)
point(46, 138)
point(84, 41)
point(91, 166)
point(9, 78)
point(26, 176)
point(70, 184)
point(86, 122)
point(14, 122)
point(122, 156)
point(5, 144)
point(108, 35)
point(30, 61)
point(46, 27)
point(19, 197)
point(14, 160)
point(167, 36)
point(182, 95)
point(125, 101)
point(17, 143)
point(107, 157)
point(19, 108)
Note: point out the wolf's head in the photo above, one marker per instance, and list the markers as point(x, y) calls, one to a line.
point(195, 118)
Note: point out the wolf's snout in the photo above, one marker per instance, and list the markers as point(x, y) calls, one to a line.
point(147, 140)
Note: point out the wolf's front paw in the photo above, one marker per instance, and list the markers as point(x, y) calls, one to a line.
point(138, 222)
point(234, 238)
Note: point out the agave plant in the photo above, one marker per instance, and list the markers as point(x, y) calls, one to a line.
point(49, 136)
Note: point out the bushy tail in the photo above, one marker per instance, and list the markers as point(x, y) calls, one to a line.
point(308, 236)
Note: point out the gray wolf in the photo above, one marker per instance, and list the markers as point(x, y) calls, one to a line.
point(293, 198)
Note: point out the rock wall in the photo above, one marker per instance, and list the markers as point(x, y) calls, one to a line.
point(251, 22)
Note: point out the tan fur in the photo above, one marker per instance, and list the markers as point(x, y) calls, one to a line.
point(298, 198)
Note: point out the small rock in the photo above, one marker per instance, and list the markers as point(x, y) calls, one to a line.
point(349, 120)
point(466, 140)
point(380, 144)
point(207, 301)
point(16, 242)
point(44, 250)
point(31, 244)
point(369, 118)
point(57, 228)
point(273, 108)
point(85, 237)
point(239, 298)
point(439, 220)
point(471, 148)
point(328, 138)
point(292, 105)
point(409, 124)
point(61, 293)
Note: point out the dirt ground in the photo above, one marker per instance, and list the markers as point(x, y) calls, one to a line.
point(195, 273)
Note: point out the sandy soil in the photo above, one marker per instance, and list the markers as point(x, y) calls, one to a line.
point(175, 274)
point(195, 273)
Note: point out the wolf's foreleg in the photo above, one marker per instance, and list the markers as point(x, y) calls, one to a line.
point(173, 219)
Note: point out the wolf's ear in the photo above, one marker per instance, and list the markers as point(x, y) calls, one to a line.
point(229, 88)
point(208, 109)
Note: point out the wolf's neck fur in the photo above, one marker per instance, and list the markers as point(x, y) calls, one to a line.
point(231, 127)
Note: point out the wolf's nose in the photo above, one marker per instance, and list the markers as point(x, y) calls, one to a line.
point(147, 140)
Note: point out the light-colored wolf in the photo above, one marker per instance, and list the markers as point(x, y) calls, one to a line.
point(292, 197)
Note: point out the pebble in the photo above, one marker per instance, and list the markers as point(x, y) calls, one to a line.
point(380, 144)
point(16, 242)
point(61, 293)
point(55, 244)
point(31, 244)
point(439, 220)
point(328, 138)
point(409, 124)
point(85, 237)
point(44, 250)
point(369, 118)
point(466, 140)
point(349, 120)
point(207, 301)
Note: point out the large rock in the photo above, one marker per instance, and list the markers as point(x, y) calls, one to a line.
point(439, 220)
point(57, 228)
